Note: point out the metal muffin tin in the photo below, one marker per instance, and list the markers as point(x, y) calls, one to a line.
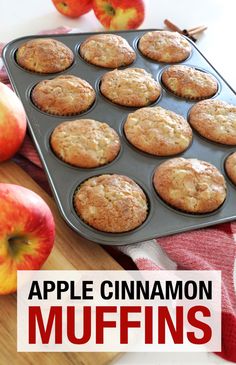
point(162, 220)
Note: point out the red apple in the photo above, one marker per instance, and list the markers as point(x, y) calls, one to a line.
point(119, 14)
point(27, 233)
point(12, 123)
point(73, 8)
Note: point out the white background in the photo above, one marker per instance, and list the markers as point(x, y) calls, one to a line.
point(24, 17)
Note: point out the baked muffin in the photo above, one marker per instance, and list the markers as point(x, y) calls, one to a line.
point(107, 50)
point(189, 83)
point(158, 131)
point(164, 46)
point(111, 203)
point(190, 185)
point(130, 87)
point(63, 95)
point(85, 143)
point(230, 167)
point(214, 120)
point(44, 55)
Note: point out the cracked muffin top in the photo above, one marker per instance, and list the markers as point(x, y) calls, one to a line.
point(44, 55)
point(132, 87)
point(164, 46)
point(63, 95)
point(85, 143)
point(107, 50)
point(111, 203)
point(158, 131)
point(214, 120)
point(190, 185)
point(189, 83)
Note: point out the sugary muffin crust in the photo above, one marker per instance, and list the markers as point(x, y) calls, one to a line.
point(230, 167)
point(214, 120)
point(85, 143)
point(107, 50)
point(158, 131)
point(190, 185)
point(63, 95)
point(164, 46)
point(111, 203)
point(44, 55)
point(130, 87)
point(189, 83)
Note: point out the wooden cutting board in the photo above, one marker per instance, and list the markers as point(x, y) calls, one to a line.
point(70, 252)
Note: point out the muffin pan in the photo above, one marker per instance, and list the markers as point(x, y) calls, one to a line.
point(64, 179)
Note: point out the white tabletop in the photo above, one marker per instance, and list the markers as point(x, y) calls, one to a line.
point(25, 17)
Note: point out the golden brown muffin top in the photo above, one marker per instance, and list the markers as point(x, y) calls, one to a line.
point(187, 82)
point(85, 143)
point(164, 46)
point(158, 131)
point(111, 203)
point(63, 95)
point(215, 120)
point(44, 55)
point(130, 87)
point(190, 185)
point(107, 50)
point(230, 167)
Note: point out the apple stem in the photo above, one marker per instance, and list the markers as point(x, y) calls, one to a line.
point(15, 242)
point(63, 5)
point(109, 9)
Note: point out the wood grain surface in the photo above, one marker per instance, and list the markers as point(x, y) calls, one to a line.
point(70, 252)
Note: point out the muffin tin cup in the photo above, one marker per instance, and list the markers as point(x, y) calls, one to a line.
point(64, 179)
point(192, 99)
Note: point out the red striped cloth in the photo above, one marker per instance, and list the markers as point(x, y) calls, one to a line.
point(206, 249)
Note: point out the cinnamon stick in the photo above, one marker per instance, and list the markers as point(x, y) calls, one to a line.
point(197, 30)
point(172, 26)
